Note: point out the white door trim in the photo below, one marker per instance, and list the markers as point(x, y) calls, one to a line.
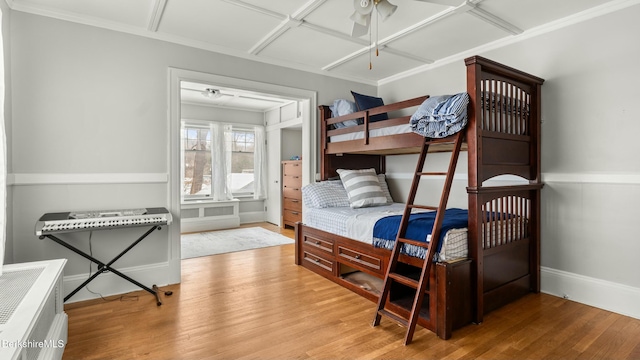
point(309, 141)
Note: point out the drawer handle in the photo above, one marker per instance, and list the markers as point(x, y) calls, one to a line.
point(317, 242)
point(296, 177)
point(317, 260)
point(357, 256)
point(295, 212)
point(294, 200)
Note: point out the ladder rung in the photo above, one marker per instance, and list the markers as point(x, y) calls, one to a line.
point(400, 320)
point(433, 173)
point(414, 242)
point(404, 280)
point(426, 207)
point(447, 140)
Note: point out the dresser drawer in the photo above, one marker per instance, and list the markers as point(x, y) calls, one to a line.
point(357, 258)
point(291, 216)
point(292, 192)
point(292, 168)
point(292, 180)
point(292, 204)
point(318, 261)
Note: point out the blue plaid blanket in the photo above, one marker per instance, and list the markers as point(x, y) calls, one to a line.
point(420, 225)
point(440, 116)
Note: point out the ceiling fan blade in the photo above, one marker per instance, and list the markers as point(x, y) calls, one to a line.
point(361, 20)
point(359, 30)
point(445, 2)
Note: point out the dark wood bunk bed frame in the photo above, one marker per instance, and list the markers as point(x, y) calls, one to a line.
point(502, 137)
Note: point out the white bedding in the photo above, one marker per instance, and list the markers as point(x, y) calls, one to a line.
point(357, 224)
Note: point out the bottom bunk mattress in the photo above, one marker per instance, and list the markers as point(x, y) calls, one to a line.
point(378, 225)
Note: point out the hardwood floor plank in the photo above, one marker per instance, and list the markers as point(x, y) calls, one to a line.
point(258, 304)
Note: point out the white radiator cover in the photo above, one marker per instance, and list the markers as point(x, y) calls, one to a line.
point(33, 324)
point(206, 215)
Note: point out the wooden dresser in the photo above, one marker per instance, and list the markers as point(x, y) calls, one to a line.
point(291, 193)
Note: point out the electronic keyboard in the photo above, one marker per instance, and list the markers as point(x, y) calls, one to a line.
point(65, 222)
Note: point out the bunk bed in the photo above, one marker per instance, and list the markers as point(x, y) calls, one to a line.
point(502, 261)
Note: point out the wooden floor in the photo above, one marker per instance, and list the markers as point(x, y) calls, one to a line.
point(258, 304)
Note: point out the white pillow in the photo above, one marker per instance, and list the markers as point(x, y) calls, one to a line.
point(325, 194)
point(342, 107)
point(362, 187)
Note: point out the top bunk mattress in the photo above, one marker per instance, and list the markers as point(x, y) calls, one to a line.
point(385, 131)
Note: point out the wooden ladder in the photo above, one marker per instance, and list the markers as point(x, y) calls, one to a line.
point(395, 274)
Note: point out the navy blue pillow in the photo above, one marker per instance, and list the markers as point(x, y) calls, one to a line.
point(366, 102)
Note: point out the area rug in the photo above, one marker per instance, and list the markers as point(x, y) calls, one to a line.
point(226, 241)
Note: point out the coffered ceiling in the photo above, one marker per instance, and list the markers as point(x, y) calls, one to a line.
point(315, 35)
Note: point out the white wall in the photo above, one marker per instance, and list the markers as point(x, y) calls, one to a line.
point(7, 257)
point(90, 130)
point(590, 113)
point(291, 143)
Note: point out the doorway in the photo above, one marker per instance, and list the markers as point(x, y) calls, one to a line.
point(305, 121)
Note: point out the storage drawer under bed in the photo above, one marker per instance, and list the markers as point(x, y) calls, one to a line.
point(323, 245)
point(360, 259)
point(318, 262)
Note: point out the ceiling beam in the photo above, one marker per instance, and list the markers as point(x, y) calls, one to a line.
point(274, 34)
point(288, 21)
point(335, 33)
point(307, 9)
point(407, 55)
point(495, 21)
point(259, 9)
point(156, 15)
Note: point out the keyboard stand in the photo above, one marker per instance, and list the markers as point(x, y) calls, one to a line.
point(102, 267)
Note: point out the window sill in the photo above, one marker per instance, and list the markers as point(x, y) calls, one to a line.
point(207, 201)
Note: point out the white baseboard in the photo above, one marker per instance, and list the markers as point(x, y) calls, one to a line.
point(602, 294)
point(108, 283)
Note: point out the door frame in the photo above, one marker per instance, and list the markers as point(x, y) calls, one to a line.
point(176, 76)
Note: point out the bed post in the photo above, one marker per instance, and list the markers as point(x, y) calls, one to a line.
point(474, 154)
point(331, 162)
point(536, 179)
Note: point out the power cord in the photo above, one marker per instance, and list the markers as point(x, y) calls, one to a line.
point(121, 297)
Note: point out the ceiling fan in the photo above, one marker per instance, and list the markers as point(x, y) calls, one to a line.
point(364, 8)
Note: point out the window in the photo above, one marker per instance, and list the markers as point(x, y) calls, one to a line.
point(242, 147)
point(199, 150)
point(197, 161)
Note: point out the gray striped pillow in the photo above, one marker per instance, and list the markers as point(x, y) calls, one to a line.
point(362, 187)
